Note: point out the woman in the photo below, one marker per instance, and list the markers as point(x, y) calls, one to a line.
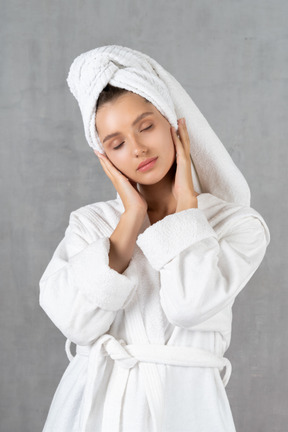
point(144, 284)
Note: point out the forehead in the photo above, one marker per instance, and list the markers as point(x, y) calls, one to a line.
point(127, 103)
point(121, 112)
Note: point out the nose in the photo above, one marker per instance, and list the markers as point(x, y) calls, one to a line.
point(137, 147)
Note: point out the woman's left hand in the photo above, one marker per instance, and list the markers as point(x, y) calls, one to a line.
point(183, 188)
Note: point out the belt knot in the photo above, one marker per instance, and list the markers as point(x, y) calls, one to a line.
point(115, 349)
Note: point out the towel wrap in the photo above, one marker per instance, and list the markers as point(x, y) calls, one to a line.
point(212, 167)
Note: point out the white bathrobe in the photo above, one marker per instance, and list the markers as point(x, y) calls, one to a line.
point(150, 342)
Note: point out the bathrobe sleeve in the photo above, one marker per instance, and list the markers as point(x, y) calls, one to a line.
point(200, 271)
point(79, 292)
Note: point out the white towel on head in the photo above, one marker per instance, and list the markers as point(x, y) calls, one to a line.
point(213, 169)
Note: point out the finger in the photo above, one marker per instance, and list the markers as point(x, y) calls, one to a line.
point(105, 168)
point(184, 134)
point(105, 165)
point(180, 134)
point(187, 138)
point(111, 177)
point(109, 165)
point(103, 162)
point(110, 169)
point(177, 142)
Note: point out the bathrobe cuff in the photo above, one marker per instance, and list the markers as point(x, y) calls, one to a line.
point(101, 284)
point(167, 238)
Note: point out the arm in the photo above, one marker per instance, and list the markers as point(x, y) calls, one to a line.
point(123, 239)
point(201, 273)
point(79, 291)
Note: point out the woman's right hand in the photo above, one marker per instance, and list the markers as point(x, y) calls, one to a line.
point(132, 199)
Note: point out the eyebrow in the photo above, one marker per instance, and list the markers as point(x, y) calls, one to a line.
point(144, 114)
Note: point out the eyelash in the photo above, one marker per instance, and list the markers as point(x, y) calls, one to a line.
point(116, 148)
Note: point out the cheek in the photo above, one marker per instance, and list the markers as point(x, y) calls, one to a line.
point(162, 135)
point(168, 134)
point(167, 142)
point(120, 162)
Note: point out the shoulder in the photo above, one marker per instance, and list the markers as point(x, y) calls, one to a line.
point(99, 218)
point(226, 216)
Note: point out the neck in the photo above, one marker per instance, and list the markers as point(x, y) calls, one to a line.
point(159, 196)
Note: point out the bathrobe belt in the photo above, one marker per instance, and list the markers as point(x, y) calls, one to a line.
point(125, 357)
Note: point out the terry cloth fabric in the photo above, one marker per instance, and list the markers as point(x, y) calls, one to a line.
point(151, 340)
point(213, 170)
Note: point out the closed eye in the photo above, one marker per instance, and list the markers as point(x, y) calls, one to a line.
point(115, 148)
point(147, 128)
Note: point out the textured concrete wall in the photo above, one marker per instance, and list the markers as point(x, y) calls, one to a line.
point(231, 56)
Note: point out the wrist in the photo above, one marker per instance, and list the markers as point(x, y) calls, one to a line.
point(186, 204)
point(134, 217)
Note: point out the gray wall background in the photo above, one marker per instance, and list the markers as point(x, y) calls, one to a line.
point(231, 56)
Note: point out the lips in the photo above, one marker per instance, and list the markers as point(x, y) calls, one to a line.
point(146, 162)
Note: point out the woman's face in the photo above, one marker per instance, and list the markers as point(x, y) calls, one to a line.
point(135, 141)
